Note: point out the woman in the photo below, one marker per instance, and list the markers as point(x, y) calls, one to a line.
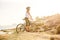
point(28, 18)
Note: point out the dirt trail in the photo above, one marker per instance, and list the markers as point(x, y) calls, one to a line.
point(28, 36)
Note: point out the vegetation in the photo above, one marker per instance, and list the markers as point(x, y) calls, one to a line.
point(50, 24)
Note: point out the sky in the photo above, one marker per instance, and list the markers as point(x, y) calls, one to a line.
point(13, 11)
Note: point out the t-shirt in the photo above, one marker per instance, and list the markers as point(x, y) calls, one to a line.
point(28, 16)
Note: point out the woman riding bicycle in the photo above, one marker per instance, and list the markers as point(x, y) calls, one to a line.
point(28, 18)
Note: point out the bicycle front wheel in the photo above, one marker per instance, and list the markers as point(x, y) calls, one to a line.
point(20, 28)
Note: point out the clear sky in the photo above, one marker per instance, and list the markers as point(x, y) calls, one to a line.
point(13, 11)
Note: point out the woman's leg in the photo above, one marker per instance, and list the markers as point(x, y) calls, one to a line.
point(27, 28)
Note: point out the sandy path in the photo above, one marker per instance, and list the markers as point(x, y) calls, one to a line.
point(29, 36)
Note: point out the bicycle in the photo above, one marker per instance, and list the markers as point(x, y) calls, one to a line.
point(21, 27)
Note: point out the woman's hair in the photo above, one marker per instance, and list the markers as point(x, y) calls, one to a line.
point(27, 7)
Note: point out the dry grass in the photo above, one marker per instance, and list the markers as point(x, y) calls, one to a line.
point(52, 22)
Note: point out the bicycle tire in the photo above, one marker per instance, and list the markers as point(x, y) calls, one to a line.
point(19, 28)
